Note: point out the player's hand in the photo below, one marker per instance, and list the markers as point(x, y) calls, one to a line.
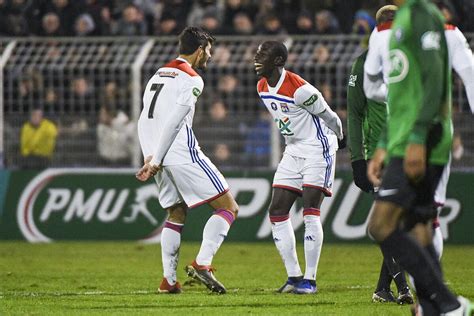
point(359, 173)
point(414, 163)
point(148, 170)
point(342, 143)
point(374, 170)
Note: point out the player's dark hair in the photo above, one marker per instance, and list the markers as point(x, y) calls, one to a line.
point(276, 49)
point(192, 38)
point(386, 14)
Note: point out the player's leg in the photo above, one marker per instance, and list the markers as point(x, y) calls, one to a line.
point(396, 195)
point(438, 241)
point(287, 185)
point(170, 199)
point(284, 235)
point(440, 199)
point(201, 183)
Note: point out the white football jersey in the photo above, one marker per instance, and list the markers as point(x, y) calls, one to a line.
point(294, 105)
point(175, 84)
point(377, 60)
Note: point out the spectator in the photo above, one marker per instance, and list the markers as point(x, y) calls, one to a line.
point(221, 55)
point(210, 23)
point(258, 140)
point(51, 25)
point(178, 9)
point(84, 25)
point(100, 11)
point(38, 140)
point(287, 12)
point(326, 23)
point(235, 7)
point(326, 91)
point(242, 25)
point(272, 26)
point(82, 95)
point(304, 24)
point(115, 137)
point(168, 25)
point(14, 17)
point(202, 8)
point(321, 54)
point(363, 23)
point(66, 11)
point(132, 22)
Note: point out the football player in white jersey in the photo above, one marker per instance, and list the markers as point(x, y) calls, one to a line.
point(311, 131)
point(185, 177)
point(377, 67)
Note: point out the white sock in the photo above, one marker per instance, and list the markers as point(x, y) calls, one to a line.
point(213, 235)
point(170, 243)
point(284, 238)
point(313, 241)
point(438, 241)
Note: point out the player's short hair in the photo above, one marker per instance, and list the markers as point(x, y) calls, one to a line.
point(277, 49)
point(386, 14)
point(192, 38)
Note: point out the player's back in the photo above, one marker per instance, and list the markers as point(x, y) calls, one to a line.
point(175, 84)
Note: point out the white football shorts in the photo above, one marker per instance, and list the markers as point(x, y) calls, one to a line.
point(294, 173)
point(194, 183)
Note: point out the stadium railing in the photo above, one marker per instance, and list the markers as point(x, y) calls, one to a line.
point(73, 78)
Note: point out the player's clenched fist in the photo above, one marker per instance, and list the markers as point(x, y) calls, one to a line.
point(374, 170)
point(148, 170)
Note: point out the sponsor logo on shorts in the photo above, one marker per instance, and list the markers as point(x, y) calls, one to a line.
point(311, 100)
point(387, 192)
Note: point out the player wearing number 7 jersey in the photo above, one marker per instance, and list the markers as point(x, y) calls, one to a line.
point(311, 130)
point(185, 177)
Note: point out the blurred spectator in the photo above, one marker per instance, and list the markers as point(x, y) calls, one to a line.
point(242, 25)
point(210, 23)
point(287, 12)
point(236, 7)
point(258, 140)
point(304, 23)
point(326, 23)
point(448, 11)
point(82, 95)
point(29, 88)
point(221, 55)
point(115, 137)
point(131, 23)
point(321, 54)
point(227, 85)
point(51, 25)
point(84, 25)
point(178, 9)
point(202, 8)
point(38, 140)
point(326, 91)
point(168, 25)
point(100, 11)
point(67, 11)
point(14, 19)
point(112, 97)
point(364, 23)
point(272, 26)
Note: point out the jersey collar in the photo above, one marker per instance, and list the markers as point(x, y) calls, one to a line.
point(182, 59)
point(279, 83)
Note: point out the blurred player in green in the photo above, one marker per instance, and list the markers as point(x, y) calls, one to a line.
point(415, 147)
point(365, 120)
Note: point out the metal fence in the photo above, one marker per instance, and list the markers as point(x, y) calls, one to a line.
point(73, 79)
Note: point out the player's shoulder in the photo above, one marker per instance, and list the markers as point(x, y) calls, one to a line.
point(182, 66)
point(262, 85)
point(290, 84)
point(449, 27)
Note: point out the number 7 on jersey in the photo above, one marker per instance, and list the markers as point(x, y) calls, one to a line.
point(157, 88)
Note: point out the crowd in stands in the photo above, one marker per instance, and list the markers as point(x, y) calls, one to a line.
point(169, 17)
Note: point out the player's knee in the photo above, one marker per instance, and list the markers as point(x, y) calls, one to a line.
point(378, 229)
point(278, 211)
point(177, 214)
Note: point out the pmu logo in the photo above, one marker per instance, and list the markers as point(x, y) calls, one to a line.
point(85, 204)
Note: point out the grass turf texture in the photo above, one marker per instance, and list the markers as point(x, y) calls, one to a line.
point(122, 278)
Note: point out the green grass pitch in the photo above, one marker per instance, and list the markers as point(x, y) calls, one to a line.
point(121, 278)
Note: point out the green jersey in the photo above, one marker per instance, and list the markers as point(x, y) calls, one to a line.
point(419, 90)
point(365, 118)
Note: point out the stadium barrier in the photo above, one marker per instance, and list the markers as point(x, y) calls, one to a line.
point(73, 78)
point(109, 204)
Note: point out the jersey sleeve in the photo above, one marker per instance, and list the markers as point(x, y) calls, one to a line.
point(310, 99)
point(373, 61)
point(356, 110)
point(462, 61)
point(190, 91)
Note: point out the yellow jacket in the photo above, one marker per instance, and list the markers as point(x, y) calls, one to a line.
point(38, 141)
